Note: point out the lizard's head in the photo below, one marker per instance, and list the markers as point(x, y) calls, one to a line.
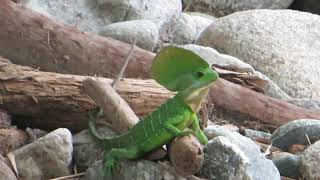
point(181, 70)
point(198, 87)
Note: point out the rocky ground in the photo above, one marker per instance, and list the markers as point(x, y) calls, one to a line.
point(263, 39)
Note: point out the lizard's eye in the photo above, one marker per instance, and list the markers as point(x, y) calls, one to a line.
point(199, 74)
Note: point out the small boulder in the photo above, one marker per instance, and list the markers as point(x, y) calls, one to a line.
point(287, 164)
point(279, 43)
point(47, 157)
point(310, 162)
point(128, 170)
point(296, 132)
point(145, 32)
point(224, 160)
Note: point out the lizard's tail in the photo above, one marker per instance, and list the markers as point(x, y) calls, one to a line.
point(101, 141)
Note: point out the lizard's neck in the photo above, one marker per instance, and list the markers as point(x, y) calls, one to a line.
point(194, 99)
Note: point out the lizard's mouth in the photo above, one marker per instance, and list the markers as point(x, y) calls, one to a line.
point(195, 98)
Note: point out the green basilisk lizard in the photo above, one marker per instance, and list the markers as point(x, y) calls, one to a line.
point(179, 70)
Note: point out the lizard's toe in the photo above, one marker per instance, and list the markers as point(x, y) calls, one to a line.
point(109, 165)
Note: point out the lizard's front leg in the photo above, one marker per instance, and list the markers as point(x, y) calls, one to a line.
point(197, 131)
point(111, 158)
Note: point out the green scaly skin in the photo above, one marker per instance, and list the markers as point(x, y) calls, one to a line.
point(176, 117)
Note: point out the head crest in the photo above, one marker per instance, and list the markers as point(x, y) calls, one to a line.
point(172, 62)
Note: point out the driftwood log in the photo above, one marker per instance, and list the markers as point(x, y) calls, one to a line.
point(32, 39)
point(51, 100)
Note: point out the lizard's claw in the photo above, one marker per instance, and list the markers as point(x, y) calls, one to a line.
point(109, 166)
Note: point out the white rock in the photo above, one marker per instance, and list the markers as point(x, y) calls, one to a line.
point(184, 30)
point(202, 21)
point(213, 57)
point(283, 44)
point(47, 157)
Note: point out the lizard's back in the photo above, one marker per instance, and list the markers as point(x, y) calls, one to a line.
point(151, 132)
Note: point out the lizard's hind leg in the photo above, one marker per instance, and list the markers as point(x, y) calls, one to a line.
point(111, 158)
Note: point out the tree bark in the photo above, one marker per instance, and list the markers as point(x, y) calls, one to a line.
point(29, 38)
point(50, 100)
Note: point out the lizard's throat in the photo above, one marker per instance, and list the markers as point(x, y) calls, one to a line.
point(195, 99)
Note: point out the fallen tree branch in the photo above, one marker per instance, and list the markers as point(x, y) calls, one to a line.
point(29, 38)
point(118, 113)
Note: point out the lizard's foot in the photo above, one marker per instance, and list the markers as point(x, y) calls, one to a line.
point(109, 165)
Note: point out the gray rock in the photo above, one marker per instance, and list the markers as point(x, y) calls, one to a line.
point(224, 160)
point(260, 166)
point(47, 157)
point(184, 30)
point(306, 5)
point(2, 158)
point(144, 31)
point(93, 16)
point(295, 132)
point(310, 162)
point(188, 27)
point(114, 2)
point(5, 172)
point(34, 134)
point(279, 43)
point(287, 164)
point(254, 134)
point(221, 8)
point(163, 13)
point(84, 146)
point(5, 119)
point(199, 14)
point(83, 14)
point(128, 170)
point(245, 144)
point(306, 103)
